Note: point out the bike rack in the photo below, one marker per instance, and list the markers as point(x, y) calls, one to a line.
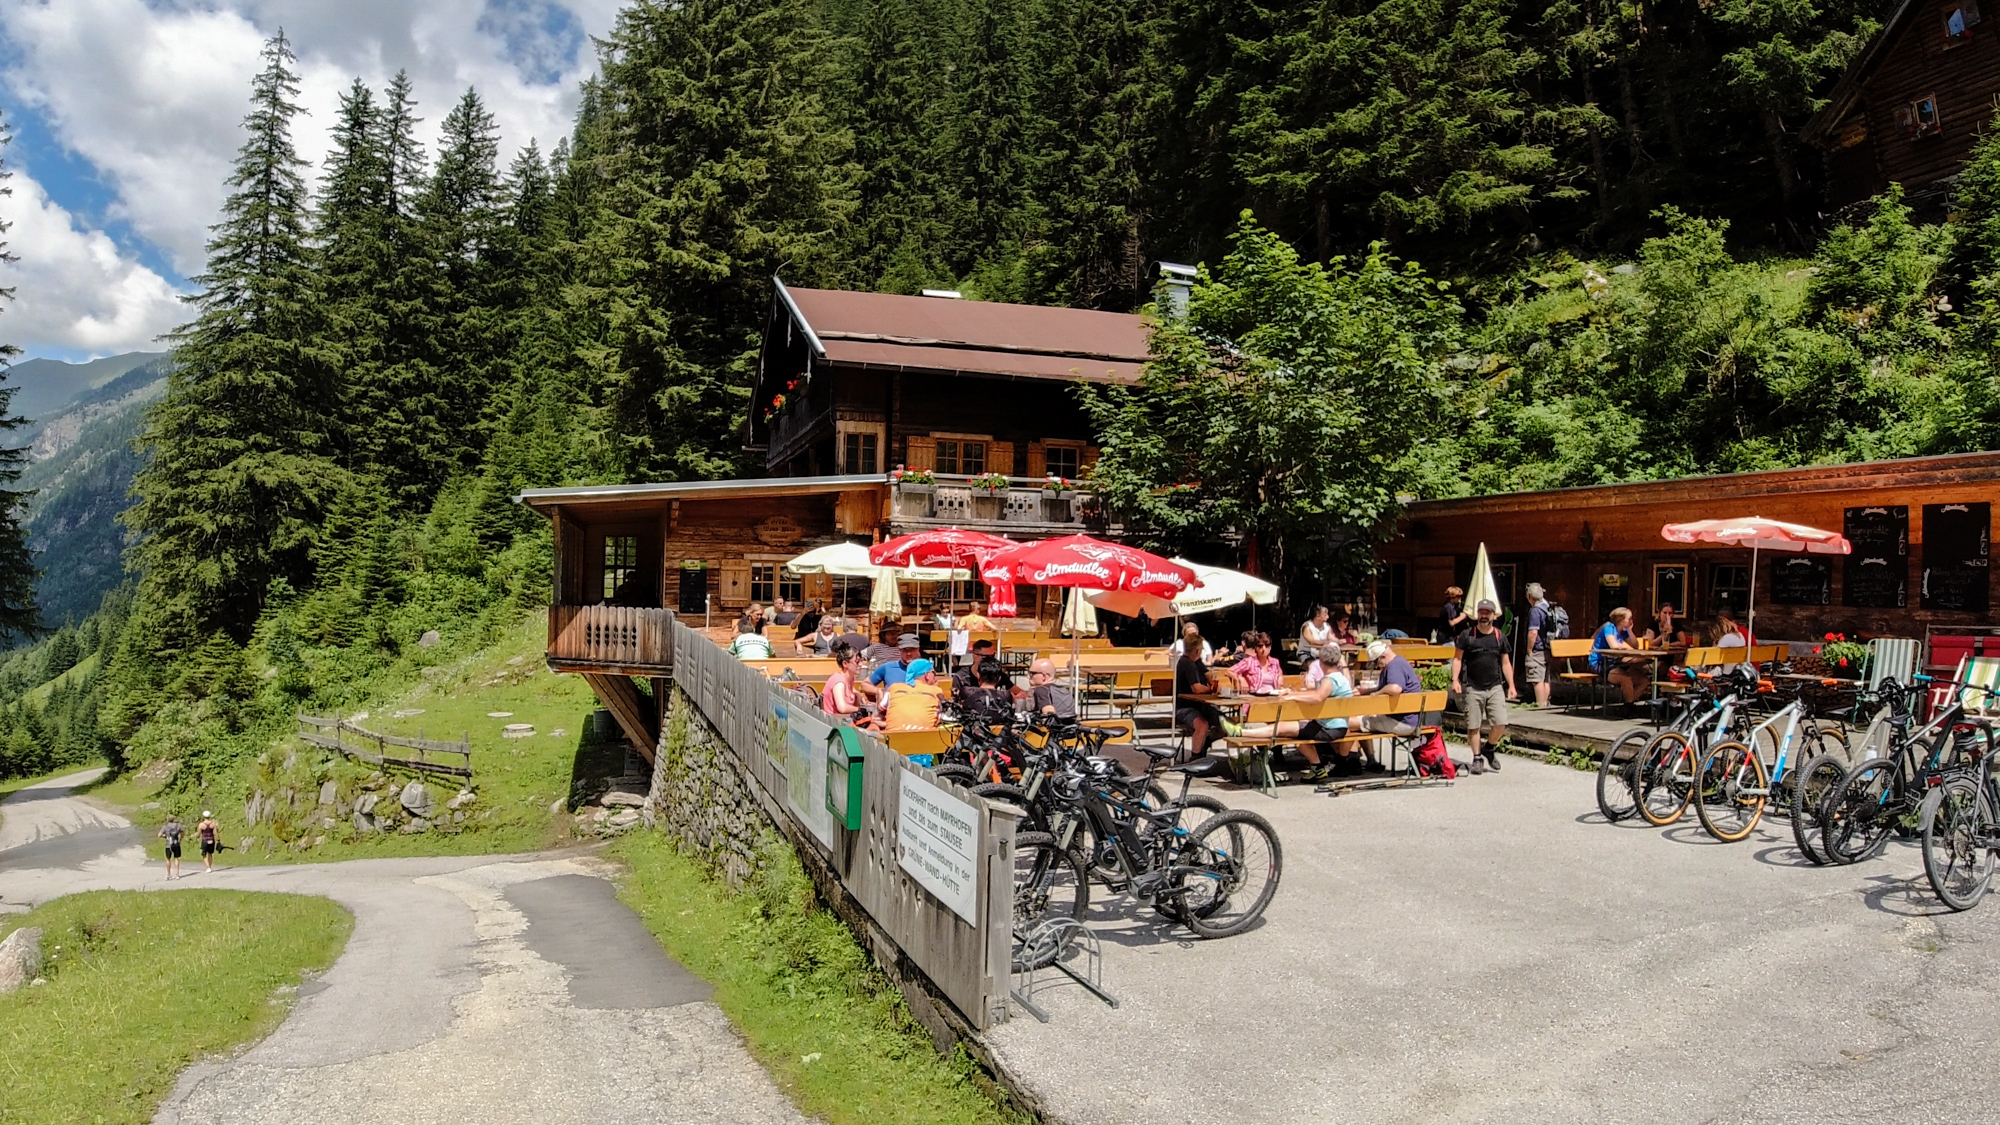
point(1057, 936)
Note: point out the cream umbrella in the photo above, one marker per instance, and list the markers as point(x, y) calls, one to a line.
point(1079, 614)
point(849, 560)
point(1483, 587)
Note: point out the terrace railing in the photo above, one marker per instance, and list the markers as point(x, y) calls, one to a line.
point(635, 640)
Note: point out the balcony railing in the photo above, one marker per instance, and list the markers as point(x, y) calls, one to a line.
point(633, 640)
point(1030, 509)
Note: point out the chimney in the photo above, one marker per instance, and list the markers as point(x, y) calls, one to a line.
point(1176, 282)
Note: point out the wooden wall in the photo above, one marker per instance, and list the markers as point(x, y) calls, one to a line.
point(723, 533)
point(1920, 61)
point(1543, 535)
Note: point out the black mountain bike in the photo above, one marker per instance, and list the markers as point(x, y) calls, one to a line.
point(1879, 796)
point(1216, 878)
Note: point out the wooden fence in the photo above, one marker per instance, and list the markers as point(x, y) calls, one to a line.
point(968, 961)
point(334, 734)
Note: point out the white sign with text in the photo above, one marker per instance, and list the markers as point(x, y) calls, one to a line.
point(938, 838)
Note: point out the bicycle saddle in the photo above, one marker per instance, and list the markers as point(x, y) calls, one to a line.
point(1203, 767)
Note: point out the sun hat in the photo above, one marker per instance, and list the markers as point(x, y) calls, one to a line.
point(206, 813)
point(1377, 649)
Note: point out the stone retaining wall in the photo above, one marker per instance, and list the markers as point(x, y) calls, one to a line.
point(703, 799)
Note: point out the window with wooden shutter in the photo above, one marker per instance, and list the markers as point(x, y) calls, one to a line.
point(922, 453)
point(735, 582)
point(1089, 457)
point(1000, 458)
point(1038, 460)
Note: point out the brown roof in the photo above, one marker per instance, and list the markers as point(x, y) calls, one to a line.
point(889, 330)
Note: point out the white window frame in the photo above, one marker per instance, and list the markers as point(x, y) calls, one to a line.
point(840, 432)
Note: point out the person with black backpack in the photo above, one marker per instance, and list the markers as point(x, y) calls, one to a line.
point(1543, 627)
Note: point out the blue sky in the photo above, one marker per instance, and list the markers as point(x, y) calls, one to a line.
point(125, 116)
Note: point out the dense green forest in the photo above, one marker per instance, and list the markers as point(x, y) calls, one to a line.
point(1450, 248)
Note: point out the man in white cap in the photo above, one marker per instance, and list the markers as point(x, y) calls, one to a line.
point(1482, 670)
point(1397, 679)
point(210, 835)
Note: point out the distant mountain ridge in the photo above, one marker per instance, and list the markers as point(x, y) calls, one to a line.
point(46, 387)
point(81, 465)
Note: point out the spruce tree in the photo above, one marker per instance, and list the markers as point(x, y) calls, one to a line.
point(240, 463)
point(18, 613)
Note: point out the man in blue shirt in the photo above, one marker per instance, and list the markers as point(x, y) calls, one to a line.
point(1397, 679)
point(1539, 626)
point(897, 671)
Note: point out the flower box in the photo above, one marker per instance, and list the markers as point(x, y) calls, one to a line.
point(1059, 507)
point(988, 506)
point(913, 501)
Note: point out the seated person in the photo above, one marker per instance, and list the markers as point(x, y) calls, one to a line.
point(1205, 724)
point(1191, 640)
point(1667, 630)
point(839, 698)
point(749, 643)
point(1343, 629)
point(1331, 683)
point(1317, 632)
point(967, 678)
point(782, 613)
point(943, 618)
point(993, 696)
point(753, 616)
point(1045, 696)
point(913, 704)
point(819, 642)
point(889, 647)
point(1398, 678)
point(1259, 673)
point(1728, 634)
point(1631, 675)
point(852, 636)
point(892, 672)
point(808, 620)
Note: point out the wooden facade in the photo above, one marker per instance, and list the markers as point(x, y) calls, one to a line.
point(1597, 548)
point(1910, 107)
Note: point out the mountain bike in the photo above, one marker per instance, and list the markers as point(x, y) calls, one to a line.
point(1216, 878)
point(1879, 796)
point(1734, 785)
point(1663, 778)
point(1617, 774)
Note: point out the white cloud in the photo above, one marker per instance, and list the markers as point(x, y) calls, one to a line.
point(152, 94)
point(74, 291)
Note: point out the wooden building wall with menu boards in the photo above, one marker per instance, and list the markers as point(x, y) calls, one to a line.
point(1922, 529)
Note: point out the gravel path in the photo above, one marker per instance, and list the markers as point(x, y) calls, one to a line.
point(497, 989)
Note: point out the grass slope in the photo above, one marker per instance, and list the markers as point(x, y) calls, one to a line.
point(516, 780)
point(833, 1033)
point(142, 984)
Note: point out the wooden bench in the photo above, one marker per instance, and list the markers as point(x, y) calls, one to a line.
point(813, 668)
point(1426, 654)
point(1577, 648)
point(910, 743)
point(1270, 713)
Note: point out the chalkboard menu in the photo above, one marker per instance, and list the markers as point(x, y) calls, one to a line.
point(1877, 574)
point(1956, 539)
point(1802, 581)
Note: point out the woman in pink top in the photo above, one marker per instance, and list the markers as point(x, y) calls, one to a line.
point(838, 698)
point(1259, 673)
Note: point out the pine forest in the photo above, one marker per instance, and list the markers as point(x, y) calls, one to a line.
point(1485, 246)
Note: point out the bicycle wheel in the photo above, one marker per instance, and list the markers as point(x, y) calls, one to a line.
point(1226, 873)
point(1050, 888)
point(1957, 824)
point(1811, 786)
point(1859, 813)
point(1031, 819)
point(1730, 792)
point(1617, 791)
point(1665, 776)
point(958, 773)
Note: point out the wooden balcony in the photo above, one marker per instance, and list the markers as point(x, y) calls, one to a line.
point(612, 639)
point(1027, 512)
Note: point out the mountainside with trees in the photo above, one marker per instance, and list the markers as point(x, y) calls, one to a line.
point(1452, 248)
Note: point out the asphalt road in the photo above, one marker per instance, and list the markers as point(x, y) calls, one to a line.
point(1494, 952)
point(496, 989)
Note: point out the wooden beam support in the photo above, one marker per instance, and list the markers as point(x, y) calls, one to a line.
point(621, 697)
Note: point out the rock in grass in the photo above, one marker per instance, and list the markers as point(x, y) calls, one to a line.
point(429, 638)
point(416, 798)
point(618, 822)
point(20, 957)
point(414, 827)
point(365, 804)
point(329, 793)
point(619, 799)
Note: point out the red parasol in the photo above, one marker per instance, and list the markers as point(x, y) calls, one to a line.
point(947, 547)
point(1758, 533)
point(1079, 560)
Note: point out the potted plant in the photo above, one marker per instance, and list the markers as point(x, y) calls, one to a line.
point(1842, 658)
point(914, 489)
point(989, 496)
point(1058, 499)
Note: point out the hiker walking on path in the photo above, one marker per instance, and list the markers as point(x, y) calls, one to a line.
point(210, 834)
point(171, 833)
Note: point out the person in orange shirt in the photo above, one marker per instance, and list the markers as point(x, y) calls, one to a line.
point(913, 704)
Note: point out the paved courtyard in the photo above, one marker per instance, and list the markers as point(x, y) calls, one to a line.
point(1495, 952)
